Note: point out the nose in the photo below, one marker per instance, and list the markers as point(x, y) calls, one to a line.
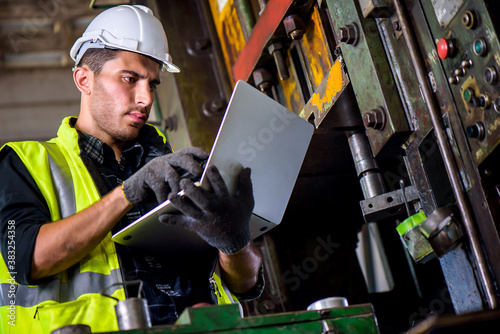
point(144, 95)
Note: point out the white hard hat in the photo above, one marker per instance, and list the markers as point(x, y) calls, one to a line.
point(130, 28)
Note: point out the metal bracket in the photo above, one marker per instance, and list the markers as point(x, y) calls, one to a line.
point(396, 25)
point(388, 204)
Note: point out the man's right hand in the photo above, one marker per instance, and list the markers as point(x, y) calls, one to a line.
point(160, 176)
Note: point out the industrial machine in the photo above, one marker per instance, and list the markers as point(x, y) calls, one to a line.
point(227, 319)
point(397, 204)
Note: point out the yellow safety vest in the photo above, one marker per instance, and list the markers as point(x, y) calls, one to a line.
point(74, 295)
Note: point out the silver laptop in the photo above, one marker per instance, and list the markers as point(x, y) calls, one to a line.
point(256, 132)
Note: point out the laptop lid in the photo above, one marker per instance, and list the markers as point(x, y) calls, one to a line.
point(256, 132)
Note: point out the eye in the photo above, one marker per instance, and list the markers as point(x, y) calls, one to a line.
point(130, 79)
point(153, 86)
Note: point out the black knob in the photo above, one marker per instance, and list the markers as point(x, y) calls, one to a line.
point(475, 131)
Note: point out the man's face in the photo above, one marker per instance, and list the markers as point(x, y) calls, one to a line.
point(122, 96)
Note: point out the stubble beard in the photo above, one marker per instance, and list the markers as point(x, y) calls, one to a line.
point(106, 116)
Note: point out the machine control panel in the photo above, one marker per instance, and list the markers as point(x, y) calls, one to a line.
point(470, 56)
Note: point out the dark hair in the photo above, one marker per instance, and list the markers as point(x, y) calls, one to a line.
point(96, 58)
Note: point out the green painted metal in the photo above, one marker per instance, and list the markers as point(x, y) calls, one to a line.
point(245, 16)
point(227, 319)
point(458, 114)
point(464, 39)
point(370, 76)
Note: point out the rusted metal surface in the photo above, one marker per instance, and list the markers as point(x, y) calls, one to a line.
point(264, 29)
point(370, 75)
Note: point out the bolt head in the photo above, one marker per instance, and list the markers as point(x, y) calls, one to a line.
point(369, 120)
point(348, 34)
point(294, 26)
point(375, 119)
point(343, 35)
point(262, 77)
point(274, 47)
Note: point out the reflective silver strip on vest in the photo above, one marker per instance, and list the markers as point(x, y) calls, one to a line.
point(61, 174)
point(81, 283)
point(78, 283)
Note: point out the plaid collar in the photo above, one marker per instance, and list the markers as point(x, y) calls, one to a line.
point(96, 149)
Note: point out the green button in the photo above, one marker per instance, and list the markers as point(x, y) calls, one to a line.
point(480, 47)
point(468, 94)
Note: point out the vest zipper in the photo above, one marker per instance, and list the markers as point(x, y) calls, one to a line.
point(215, 287)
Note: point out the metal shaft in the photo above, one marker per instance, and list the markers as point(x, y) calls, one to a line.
point(279, 59)
point(245, 15)
point(446, 152)
point(370, 179)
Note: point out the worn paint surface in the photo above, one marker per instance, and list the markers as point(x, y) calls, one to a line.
point(291, 94)
point(317, 63)
point(315, 49)
point(370, 75)
point(326, 94)
point(229, 32)
point(334, 85)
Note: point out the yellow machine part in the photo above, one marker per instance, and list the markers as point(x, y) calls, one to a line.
point(229, 32)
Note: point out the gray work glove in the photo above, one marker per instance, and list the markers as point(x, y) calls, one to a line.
point(220, 219)
point(161, 176)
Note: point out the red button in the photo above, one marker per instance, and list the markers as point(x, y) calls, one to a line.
point(443, 48)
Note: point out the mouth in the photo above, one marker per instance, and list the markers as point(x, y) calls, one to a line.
point(138, 117)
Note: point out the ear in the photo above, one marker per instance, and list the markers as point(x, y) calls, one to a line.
point(83, 78)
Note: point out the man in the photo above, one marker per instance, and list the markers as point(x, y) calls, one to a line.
point(60, 200)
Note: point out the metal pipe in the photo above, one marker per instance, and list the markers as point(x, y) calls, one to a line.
point(446, 152)
point(245, 15)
